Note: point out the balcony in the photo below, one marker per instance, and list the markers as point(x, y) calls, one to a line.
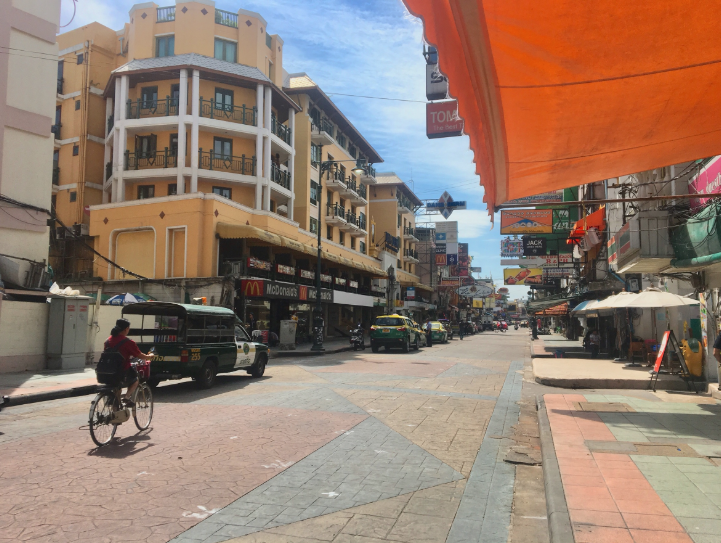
point(235, 114)
point(334, 180)
point(108, 170)
point(166, 15)
point(369, 175)
point(355, 192)
point(56, 176)
point(321, 134)
point(360, 230)
point(391, 243)
point(140, 109)
point(60, 85)
point(55, 129)
point(280, 130)
point(281, 177)
point(225, 163)
point(411, 255)
point(335, 214)
point(111, 123)
point(350, 222)
point(226, 18)
point(410, 233)
point(404, 204)
point(150, 160)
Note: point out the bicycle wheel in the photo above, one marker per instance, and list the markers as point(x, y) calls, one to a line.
point(143, 410)
point(101, 413)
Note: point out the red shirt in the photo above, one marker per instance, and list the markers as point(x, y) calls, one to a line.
point(129, 349)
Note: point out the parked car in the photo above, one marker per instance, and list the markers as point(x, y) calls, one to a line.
point(439, 334)
point(195, 341)
point(395, 331)
point(448, 326)
point(424, 340)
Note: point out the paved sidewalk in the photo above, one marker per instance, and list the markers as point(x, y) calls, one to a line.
point(639, 470)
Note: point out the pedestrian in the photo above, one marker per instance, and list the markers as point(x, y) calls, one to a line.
point(429, 333)
point(251, 322)
point(594, 341)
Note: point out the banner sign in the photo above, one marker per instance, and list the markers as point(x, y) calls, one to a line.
point(440, 248)
point(475, 291)
point(306, 274)
point(410, 293)
point(561, 220)
point(555, 197)
point(707, 181)
point(259, 264)
point(436, 83)
point(556, 272)
point(526, 221)
point(463, 249)
point(441, 260)
point(475, 269)
point(442, 120)
point(285, 270)
point(448, 283)
point(452, 260)
point(448, 231)
point(446, 205)
point(533, 246)
point(511, 248)
point(522, 276)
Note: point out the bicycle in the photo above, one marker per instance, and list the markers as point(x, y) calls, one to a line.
point(107, 411)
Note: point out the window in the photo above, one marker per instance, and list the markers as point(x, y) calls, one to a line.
point(73, 196)
point(268, 41)
point(224, 99)
point(222, 191)
point(329, 232)
point(272, 206)
point(145, 146)
point(165, 46)
point(76, 150)
point(399, 219)
point(362, 247)
point(341, 203)
point(329, 197)
point(352, 243)
point(146, 191)
point(223, 147)
point(226, 50)
point(313, 225)
point(314, 154)
point(314, 193)
point(58, 114)
point(174, 144)
point(149, 97)
point(341, 238)
point(61, 69)
point(174, 97)
point(172, 189)
point(77, 105)
point(81, 58)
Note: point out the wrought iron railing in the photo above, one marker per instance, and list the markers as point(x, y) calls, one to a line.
point(56, 175)
point(111, 123)
point(409, 231)
point(150, 160)
point(362, 222)
point(210, 160)
point(108, 170)
point(238, 114)
point(55, 129)
point(335, 211)
point(362, 191)
point(351, 218)
point(410, 253)
point(60, 85)
point(280, 130)
point(370, 170)
point(137, 109)
point(281, 177)
point(226, 18)
point(404, 202)
point(166, 15)
point(335, 175)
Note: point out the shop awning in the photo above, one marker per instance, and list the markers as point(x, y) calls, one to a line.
point(559, 93)
point(240, 231)
point(536, 306)
point(597, 219)
point(298, 246)
point(555, 311)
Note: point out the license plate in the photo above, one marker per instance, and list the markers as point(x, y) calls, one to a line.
point(386, 331)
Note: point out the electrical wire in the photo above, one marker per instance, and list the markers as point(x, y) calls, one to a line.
point(75, 10)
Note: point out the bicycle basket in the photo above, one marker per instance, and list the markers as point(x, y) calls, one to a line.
point(143, 369)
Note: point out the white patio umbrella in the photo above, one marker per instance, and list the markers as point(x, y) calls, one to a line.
point(653, 298)
point(620, 300)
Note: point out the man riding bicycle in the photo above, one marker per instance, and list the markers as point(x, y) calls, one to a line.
point(128, 349)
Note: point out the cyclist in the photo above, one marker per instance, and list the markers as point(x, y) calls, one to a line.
point(128, 349)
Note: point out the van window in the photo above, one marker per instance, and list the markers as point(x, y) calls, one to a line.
point(168, 329)
point(196, 329)
point(241, 334)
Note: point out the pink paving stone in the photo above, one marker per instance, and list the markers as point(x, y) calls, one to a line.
point(665, 523)
point(390, 366)
point(651, 507)
point(186, 460)
point(653, 536)
point(585, 533)
point(597, 518)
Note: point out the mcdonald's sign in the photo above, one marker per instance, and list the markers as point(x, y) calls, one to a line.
point(252, 287)
point(302, 292)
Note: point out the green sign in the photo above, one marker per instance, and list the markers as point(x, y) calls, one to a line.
point(561, 220)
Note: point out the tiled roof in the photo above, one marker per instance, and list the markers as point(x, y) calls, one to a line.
point(299, 81)
point(193, 59)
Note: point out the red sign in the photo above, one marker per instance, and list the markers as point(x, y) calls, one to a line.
point(252, 287)
point(662, 350)
point(442, 120)
point(258, 264)
point(440, 260)
point(302, 292)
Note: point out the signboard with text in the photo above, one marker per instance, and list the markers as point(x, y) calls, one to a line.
point(555, 197)
point(522, 276)
point(511, 248)
point(534, 246)
point(706, 181)
point(442, 120)
point(526, 221)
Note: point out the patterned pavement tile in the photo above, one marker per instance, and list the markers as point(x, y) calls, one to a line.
point(413, 366)
point(371, 462)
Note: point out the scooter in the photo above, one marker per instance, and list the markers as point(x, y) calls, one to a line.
point(356, 339)
point(515, 327)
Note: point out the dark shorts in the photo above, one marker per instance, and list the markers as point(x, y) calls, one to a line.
point(130, 377)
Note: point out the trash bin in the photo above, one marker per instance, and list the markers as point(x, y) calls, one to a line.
point(559, 353)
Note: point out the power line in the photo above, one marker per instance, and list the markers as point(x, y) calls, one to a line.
point(377, 97)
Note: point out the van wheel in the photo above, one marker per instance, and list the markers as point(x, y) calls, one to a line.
point(206, 378)
point(258, 369)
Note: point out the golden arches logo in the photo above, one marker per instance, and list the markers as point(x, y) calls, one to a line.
point(253, 288)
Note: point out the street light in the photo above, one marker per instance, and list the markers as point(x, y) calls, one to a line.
point(318, 324)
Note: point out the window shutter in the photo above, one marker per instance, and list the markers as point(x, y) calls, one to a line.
point(153, 143)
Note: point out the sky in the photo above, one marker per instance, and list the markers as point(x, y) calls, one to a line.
point(370, 48)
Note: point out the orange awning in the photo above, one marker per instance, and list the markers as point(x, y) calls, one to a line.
point(597, 219)
point(556, 310)
point(558, 93)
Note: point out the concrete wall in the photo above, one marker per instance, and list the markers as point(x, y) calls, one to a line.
point(23, 336)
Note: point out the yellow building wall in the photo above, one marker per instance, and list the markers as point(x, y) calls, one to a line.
point(135, 251)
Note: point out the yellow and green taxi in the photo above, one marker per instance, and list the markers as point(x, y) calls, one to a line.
point(194, 341)
point(439, 334)
point(394, 331)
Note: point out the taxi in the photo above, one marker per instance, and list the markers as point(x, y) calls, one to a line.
point(439, 334)
point(391, 331)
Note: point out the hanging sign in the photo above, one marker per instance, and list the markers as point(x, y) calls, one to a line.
point(446, 205)
point(522, 276)
point(554, 197)
point(561, 220)
point(526, 221)
point(706, 181)
point(436, 83)
point(441, 260)
point(475, 291)
point(442, 120)
point(511, 248)
point(534, 246)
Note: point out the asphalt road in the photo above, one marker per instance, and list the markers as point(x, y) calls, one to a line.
point(349, 447)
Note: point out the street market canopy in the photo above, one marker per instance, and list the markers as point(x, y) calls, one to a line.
point(558, 93)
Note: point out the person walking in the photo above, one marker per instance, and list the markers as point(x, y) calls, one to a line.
point(251, 322)
point(594, 341)
point(429, 333)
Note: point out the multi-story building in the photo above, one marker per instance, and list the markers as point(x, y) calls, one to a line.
point(27, 103)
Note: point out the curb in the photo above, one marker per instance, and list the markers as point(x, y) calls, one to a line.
point(53, 395)
point(291, 354)
point(559, 521)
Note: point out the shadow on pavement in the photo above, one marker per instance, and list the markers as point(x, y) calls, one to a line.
point(124, 447)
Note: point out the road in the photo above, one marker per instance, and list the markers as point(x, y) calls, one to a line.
point(349, 447)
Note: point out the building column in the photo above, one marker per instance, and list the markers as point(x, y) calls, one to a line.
point(291, 162)
point(259, 148)
point(122, 135)
point(266, 150)
point(195, 108)
point(108, 151)
point(182, 112)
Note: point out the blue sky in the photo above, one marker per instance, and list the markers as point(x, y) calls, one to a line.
point(370, 48)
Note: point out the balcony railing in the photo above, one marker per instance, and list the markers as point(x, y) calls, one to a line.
point(335, 211)
point(411, 253)
point(409, 231)
point(362, 191)
point(55, 129)
point(56, 175)
point(210, 160)
point(150, 160)
point(108, 170)
point(237, 114)
point(138, 109)
point(111, 123)
point(370, 170)
point(280, 130)
point(325, 126)
point(281, 177)
point(362, 222)
point(166, 15)
point(351, 218)
point(405, 202)
point(60, 85)
point(226, 18)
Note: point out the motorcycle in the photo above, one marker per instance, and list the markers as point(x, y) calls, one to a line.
point(515, 327)
point(356, 339)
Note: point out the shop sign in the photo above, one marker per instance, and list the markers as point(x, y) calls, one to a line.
point(340, 281)
point(556, 272)
point(285, 270)
point(462, 271)
point(353, 284)
point(554, 197)
point(448, 283)
point(526, 221)
point(411, 293)
point(257, 264)
point(326, 278)
point(446, 205)
point(503, 290)
point(379, 302)
point(522, 276)
point(440, 248)
point(463, 249)
point(475, 291)
point(252, 288)
point(273, 289)
point(475, 269)
point(468, 281)
point(561, 220)
point(534, 246)
point(377, 288)
point(436, 83)
point(447, 231)
point(306, 274)
point(442, 120)
point(706, 181)
point(452, 260)
point(309, 293)
point(511, 248)
point(441, 260)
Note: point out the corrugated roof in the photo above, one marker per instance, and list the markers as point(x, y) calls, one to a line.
point(193, 59)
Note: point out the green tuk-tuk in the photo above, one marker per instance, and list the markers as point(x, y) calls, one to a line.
point(195, 341)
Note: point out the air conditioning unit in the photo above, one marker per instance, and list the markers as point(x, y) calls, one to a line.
point(81, 230)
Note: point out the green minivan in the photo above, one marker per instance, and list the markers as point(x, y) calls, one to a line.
point(195, 341)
